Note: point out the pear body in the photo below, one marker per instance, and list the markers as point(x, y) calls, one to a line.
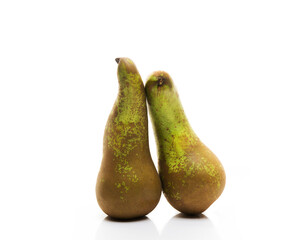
point(192, 176)
point(128, 185)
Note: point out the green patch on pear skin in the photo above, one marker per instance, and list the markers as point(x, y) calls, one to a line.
point(134, 178)
point(176, 196)
point(123, 168)
point(210, 169)
point(123, 188)
point(127, 130)
point(170, 190)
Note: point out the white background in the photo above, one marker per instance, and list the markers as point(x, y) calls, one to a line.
point(238, 67)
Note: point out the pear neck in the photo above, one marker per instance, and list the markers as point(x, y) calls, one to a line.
point(169, 118)
point(131, 103)
point(131, 92)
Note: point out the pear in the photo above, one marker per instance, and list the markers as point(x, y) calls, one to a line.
point(128, 185)
point(192, 176)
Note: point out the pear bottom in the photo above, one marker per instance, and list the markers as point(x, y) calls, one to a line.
point(128, 199)
point(192, 201)
point(193, 189)
point(141, 201)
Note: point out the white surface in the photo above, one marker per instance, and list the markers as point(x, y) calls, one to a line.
point(238, 66)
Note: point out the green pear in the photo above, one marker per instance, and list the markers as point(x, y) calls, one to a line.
point(128, 185)
point(192, 176)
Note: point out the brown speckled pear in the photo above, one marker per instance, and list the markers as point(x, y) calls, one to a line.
point(128, 185)
point(192, 176)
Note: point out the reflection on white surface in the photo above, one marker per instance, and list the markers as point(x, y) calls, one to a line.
point(136, 229)
point(185, 227)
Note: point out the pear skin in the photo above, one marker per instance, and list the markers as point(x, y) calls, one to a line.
point(128, 185)
point(192, 176)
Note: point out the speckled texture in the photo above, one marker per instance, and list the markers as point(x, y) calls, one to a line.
point(192, 176)
point(128, 185)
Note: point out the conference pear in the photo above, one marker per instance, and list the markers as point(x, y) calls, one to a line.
point(128, 185)
point(192, 176)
